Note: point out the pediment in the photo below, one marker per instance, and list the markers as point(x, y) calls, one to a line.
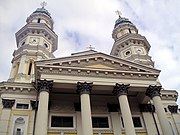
point(98, 62)
point(99, 66)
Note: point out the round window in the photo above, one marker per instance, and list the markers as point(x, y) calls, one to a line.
point(127, 53)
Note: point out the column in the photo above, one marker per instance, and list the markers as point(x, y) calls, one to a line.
point(5, 116)
point(154, 93)
point(43, 87)
point(121, 91)
point(85, 89)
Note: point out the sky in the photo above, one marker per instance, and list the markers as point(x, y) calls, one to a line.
point(80, 23)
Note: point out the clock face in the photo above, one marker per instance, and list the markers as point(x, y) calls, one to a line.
point(139, 50)
point(34, 40)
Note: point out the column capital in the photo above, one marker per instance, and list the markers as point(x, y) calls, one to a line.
point(120, 89)
point(44, 85)
point(84, 88)
point(173, 108)
point(7, 103)
point(153, 91)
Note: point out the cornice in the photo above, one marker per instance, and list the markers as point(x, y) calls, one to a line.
point(48, 69)
point(16, 87)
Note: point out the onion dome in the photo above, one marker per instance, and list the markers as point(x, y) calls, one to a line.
point(122, 20)
point(43, 11)
point(41, 16)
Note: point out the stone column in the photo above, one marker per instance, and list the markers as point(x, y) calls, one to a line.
point(121, 91)
point(43, 87)
point(154, 93)
point(5, 116)
point(85, 89)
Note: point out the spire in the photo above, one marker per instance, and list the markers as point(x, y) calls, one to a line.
point(128, 43)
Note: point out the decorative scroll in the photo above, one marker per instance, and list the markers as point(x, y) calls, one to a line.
point(146, 108)
point(113, 107)
point(120, 89)
point(84, 88)
point(44, 85)
point(153, 91)
point(34, 104)
point(173, 108)
point(7, 103)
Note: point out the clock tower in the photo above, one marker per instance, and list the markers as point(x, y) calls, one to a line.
point(129, 44)
point(35, 41)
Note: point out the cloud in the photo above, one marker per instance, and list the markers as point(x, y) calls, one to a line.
point(80, 23)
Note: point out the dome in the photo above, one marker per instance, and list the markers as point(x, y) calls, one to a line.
point(42, 10)
point(122, 20)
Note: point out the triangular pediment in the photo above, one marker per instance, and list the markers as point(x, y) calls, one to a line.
point(97, 61)
point(99, 66)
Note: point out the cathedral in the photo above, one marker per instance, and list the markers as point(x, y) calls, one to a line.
point(87, 93)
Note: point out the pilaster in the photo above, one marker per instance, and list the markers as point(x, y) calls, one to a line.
point(5, 116)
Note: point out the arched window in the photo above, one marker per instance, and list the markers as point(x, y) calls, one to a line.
point(19, 126)
point(39, 20)
point(30, 68)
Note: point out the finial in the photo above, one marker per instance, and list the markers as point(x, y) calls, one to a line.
point(118, 13)
point(90, 47)
point(43, 4)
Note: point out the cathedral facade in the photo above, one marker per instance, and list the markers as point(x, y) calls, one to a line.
point(87, 93)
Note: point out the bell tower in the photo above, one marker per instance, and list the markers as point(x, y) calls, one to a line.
point(129, 44)
point(35, 41)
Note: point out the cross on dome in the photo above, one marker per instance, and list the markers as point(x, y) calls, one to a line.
point(90, 47)
point(118, 13)
point(43, 4)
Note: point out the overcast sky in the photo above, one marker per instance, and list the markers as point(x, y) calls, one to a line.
point(80, 23)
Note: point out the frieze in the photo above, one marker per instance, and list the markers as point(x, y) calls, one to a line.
point(96, 72)
point(120, 89)
point(84, 88)
point(146, 108)
point(7, 103)
point(113, 107)
point(153, 91)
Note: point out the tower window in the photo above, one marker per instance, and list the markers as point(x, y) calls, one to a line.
point(129, 30)
point(30, 68)
point(39, 20)
point(46, 45)
point(23, 43)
